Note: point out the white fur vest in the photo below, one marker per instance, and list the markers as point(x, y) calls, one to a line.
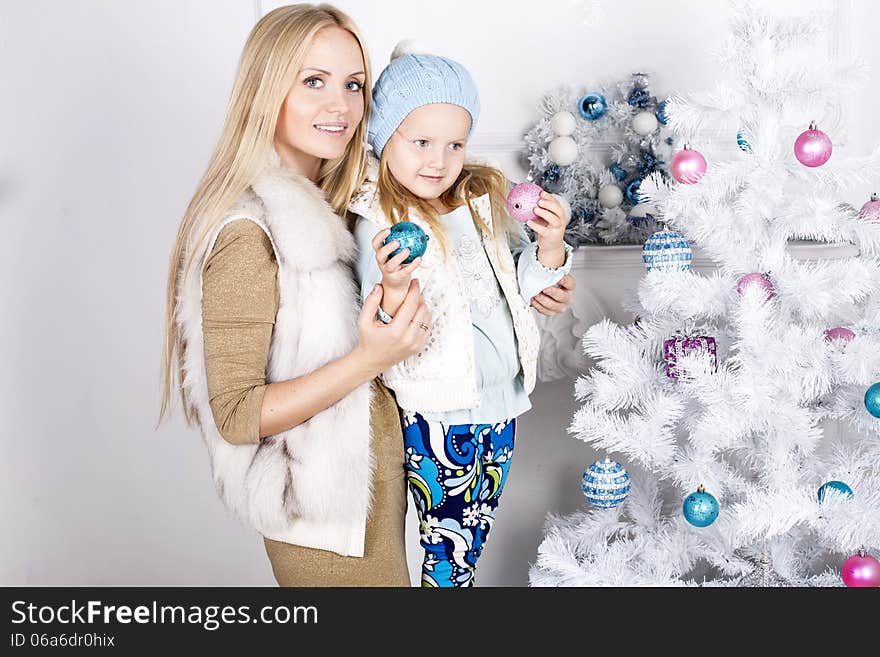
point(442, 377)
point(310, 485)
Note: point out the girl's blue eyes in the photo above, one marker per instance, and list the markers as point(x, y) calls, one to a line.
point(423, 143)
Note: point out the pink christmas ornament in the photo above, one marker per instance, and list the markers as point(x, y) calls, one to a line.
point(676, 347)
point(760, 280)
point(871, 210)
point(839, 333)
point(861, 570)
point(813, 147)
point(688, 166)
point(521, 201)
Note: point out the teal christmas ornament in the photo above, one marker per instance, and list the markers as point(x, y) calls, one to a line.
point(700, 508)
point(834, 485)
point(592, 106)
point(410, 237)
point(606, 484)
point(742, 143)
point(632, 191)
point(661, 115)
point(872, 400)
point(667, 250)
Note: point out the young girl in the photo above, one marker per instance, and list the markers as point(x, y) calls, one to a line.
point(461, 394)
point(262, 315)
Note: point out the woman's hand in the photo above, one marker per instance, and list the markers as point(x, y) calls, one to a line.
point(383, 345)
point(550, 228)
point(556, 298)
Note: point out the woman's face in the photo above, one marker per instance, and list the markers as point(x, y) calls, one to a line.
point(322, 111)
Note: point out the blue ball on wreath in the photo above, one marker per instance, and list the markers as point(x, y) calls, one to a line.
point(632, 191)
point(410, 237)
point(550, 174)
point(617, 171)
point(661, 115)
point(592, 106)
point(606, 484)
point(872, 400)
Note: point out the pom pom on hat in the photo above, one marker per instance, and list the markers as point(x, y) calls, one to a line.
point(406, 47)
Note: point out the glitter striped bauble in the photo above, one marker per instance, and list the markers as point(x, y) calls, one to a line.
point(606, 484)
point(667, 250)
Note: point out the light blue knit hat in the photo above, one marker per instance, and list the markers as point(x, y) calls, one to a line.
point(411, 80)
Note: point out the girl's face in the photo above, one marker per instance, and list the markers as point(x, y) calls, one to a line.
point(322, 111)
point(426, 153)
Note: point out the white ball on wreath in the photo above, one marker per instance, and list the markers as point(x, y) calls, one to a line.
point(563, 124)
point(610, 196)
point(644, 123)
point(563, 151)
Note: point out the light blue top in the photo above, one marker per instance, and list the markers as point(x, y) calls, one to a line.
point(499, 377)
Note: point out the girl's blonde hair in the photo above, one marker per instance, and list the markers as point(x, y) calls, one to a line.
point(474, 180)
point(270, 62)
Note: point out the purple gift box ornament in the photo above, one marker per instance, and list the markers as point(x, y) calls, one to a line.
point(676, 347)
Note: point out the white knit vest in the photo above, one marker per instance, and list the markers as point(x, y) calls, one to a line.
point(442, 376)
point(311, 485)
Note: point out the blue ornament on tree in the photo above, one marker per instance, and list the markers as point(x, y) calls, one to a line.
point(606, 484)
point(639, 97)
point(632, 191)
point(410, 236)
point(700, 508)
point(617, 171)
point(742, 143)
point(667, 250)
point(661, 113)
point(592, 106)
point(872, 400)
point(834, 485)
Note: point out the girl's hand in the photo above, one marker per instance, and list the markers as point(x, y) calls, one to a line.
point(395, 275)
point(556, 298)
point(383, 345)
point(550, 228)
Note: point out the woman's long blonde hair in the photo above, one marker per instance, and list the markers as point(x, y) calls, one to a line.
point(270, 62)
point(474, 180)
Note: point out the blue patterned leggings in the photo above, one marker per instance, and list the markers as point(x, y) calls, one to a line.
point(455, 474)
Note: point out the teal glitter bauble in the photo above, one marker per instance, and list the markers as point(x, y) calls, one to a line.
point(872, 400)
point(410, 237)
point(700, 508)
point(834, 485)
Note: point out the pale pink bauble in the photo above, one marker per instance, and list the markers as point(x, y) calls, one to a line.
point(688, 166)
point(757, 279)
point(861, 570)
point(813, 147)
point(521, 201)
point(839, 333)
point(871, 210)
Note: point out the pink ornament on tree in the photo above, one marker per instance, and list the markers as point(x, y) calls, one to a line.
point(675, 348)
point(688, 166)
point(861, 570)
point(757, 279)
point(871, 210)
point(839, 333)
point(521, 201)
point(813, 147)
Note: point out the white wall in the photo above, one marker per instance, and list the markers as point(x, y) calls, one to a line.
point(110, 113)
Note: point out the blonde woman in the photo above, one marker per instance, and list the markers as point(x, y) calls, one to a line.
point(263, 335)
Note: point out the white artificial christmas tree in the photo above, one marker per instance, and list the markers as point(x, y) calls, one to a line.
point(777, 407)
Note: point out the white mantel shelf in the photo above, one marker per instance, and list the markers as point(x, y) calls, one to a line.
point(604, 275)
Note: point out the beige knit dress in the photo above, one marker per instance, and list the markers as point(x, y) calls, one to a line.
point(239, 303)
